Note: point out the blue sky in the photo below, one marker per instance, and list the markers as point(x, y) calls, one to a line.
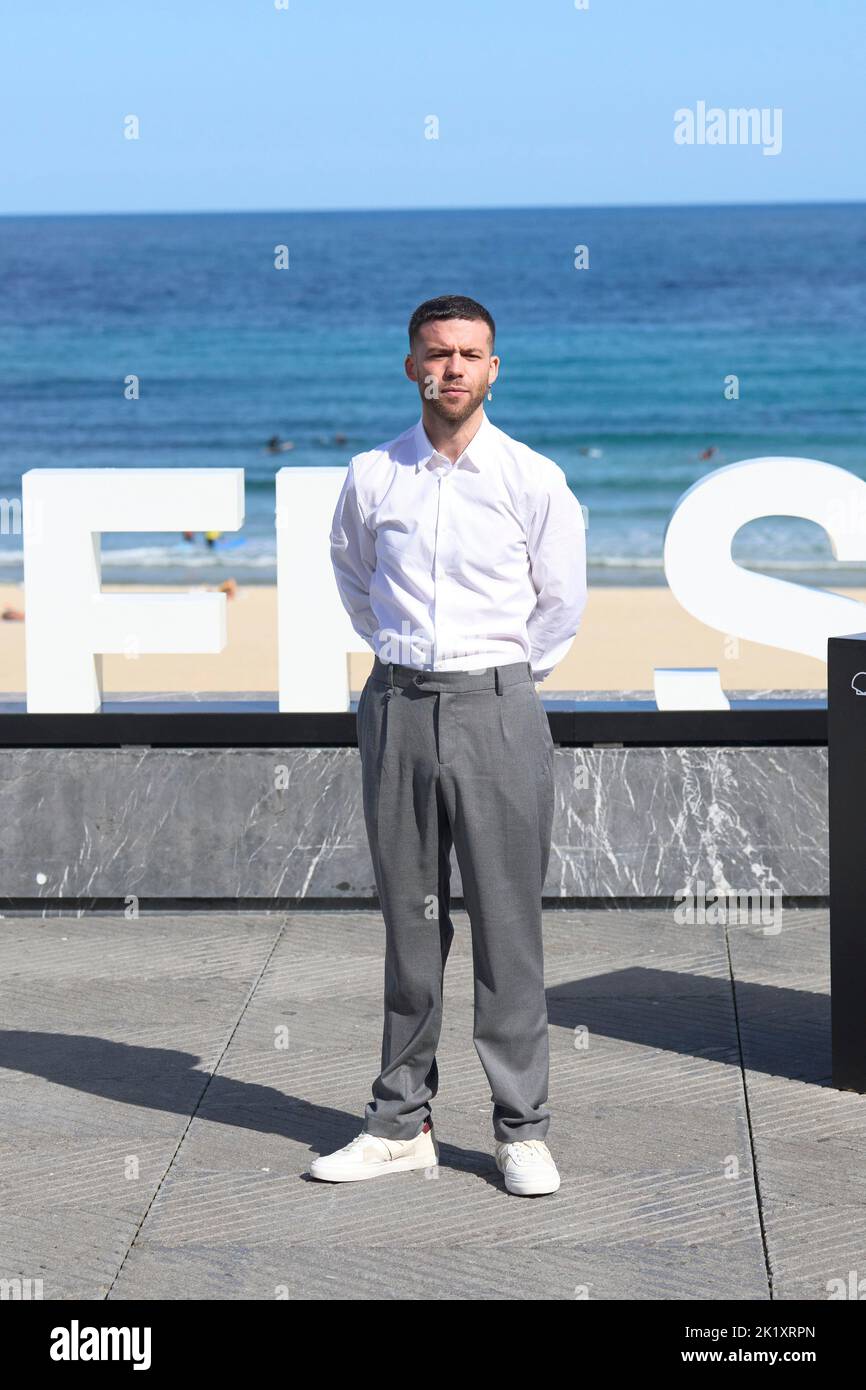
point(323, 105)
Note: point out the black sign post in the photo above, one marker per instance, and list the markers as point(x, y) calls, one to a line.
point(846, 754)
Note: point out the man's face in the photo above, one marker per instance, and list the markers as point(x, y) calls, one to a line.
point(452, 364)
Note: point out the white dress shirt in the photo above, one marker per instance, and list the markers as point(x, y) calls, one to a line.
point(457, 566)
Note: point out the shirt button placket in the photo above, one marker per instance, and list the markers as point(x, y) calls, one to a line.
point(439, 476)
point(444, 469)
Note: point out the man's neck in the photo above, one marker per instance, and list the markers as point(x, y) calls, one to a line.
point(452, 440)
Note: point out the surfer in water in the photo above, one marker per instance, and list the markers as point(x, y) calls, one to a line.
point(210, 537)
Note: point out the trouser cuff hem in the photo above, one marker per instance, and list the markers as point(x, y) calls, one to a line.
point(410, 1131)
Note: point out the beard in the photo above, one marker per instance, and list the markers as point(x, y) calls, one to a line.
point(455, 412)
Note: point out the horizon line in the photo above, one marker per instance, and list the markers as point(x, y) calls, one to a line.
point(483, 207)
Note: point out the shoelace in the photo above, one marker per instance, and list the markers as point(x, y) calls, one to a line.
point(532, 1145)
point(357, 1139)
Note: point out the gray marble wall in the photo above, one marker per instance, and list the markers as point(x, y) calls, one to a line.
point(267, 823)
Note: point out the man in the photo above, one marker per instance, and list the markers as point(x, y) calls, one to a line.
point(459, 555)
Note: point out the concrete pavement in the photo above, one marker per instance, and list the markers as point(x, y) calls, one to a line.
point(165, 1082)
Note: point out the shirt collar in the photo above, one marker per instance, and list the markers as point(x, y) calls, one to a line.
point(473, 455)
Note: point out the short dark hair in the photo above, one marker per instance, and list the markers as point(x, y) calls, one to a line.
point(449, 306)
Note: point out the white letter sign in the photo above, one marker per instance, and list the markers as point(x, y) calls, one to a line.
point(705, 580)
point(70, 622)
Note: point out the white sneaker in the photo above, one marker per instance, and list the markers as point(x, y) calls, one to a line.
point(371, 1155)
point(527, 1165)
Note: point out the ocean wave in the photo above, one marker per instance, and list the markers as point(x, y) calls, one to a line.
point(263, 557)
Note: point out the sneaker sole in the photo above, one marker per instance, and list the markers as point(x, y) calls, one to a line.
point(397, 1165)
point(532, 1187)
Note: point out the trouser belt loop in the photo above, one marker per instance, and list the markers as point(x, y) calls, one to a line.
point(498, 680)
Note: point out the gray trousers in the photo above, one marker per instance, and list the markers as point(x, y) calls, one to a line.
point(462, 758)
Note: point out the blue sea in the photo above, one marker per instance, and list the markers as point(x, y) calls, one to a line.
point(616, 372)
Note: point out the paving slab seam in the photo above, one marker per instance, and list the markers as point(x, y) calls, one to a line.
point(756, 1179)
point(228, 1042)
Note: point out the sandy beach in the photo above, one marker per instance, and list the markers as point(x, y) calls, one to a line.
point(625, 633)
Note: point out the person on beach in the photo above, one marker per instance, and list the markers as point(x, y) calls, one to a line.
point(459, 555)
